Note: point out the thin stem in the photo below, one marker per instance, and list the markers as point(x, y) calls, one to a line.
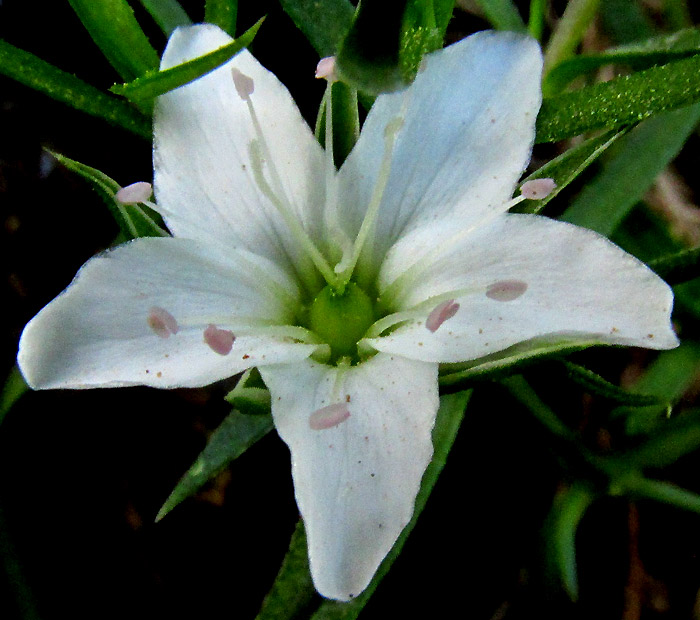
point(535, 24)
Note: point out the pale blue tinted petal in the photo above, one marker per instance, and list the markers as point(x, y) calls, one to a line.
point(203, 170)
point(356, 482)
point(577, 285)
point(97, 332)
point(468, 129)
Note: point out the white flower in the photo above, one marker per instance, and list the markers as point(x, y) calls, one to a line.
point(412, 227)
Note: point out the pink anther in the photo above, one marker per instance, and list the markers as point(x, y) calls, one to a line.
point(506, 290)
point(537, 189)
point(136, 192)
point(244, 84)
point(328, 417)
point(219, 340)
point(446, 310)
point(162, 322)
point(325, 69)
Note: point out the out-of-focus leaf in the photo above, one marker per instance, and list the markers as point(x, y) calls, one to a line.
point(114, 29)
point(457, 377)
point(231, 439)
point(368, 58)
point(664, 492)
point(323, 22)
point(293, 589)
point(625, 21)
point(675, 438)
point(678, 267)
point(223, 13)
point(150, 86)
point(566, 167)
point(559, 532)
point(503, 14)
point(669, 377)
point(569, 31)
point(595, 384)
point(133, 220)
point(66, 88)
point(642, 55)
point(623, 101)
point(449, 417)
point(637, 159)
point(168, 14)
point(14, 387)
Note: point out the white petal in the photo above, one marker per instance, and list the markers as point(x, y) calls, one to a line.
point(469, 125)
point(137, 315)
point(571, 282)
point(203, 170)
point(355, 481)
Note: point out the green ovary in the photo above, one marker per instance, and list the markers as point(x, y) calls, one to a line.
point(341, 319)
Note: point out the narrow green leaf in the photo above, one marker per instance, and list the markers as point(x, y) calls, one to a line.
point(569, 31)
point(114, 29)
point(168, 14)
point(639, 157)
point(223, 13)
point(14, 387)
point(133, 220)
point(560, 530)
point(566, 167)
point(449, 418)
point(639, 56)
point(675, 438)
point(535, 23)
point(323, 22)
point(368, 59)
point(678, 267)
point(293, 589)
point(623, 101)
point(150, 86)
point(231, 439)
point(457, 377)
point(66, 88)
point(420, 34)
point(663, 492)
point(503, 14)
point(595, 384)
point(671, 374)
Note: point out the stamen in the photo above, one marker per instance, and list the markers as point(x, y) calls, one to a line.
point(446, 310)
point(390, 134)
point(325, 69)
point(328, 417)
point(506, 290)
point(243, 83)
point(219, 340)
point(537, 189)
point(162, 322)
point(134, 193)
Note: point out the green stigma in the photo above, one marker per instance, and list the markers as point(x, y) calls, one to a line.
point(341, 319)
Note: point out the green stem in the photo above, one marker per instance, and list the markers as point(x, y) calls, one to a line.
point(535, 24)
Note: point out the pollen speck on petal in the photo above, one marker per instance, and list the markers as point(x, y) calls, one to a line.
point(537, 189)
point(506, 290)
point(328, 417)
point(326, 69)
point(162, 322)
point(219, 340)
point(440, 314)
point(244, 84)
point(134, 193)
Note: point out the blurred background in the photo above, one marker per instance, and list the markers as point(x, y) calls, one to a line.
point(83, 474)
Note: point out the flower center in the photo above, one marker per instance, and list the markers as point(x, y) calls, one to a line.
point(341, 319)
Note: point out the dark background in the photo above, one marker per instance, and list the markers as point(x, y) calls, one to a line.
point(82, 474)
